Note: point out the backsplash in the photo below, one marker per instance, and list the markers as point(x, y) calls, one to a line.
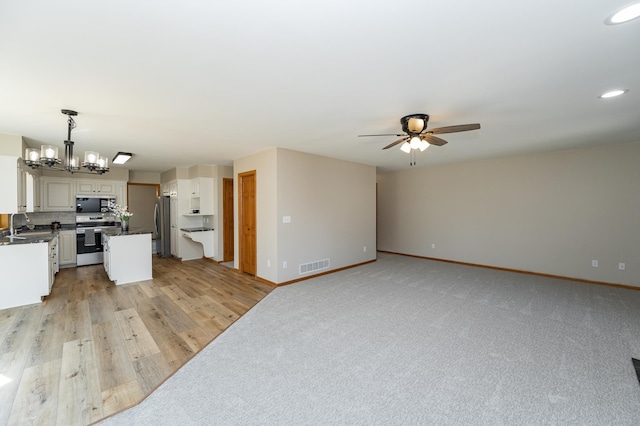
point(45, 218)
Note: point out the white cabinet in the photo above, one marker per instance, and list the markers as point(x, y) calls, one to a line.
point(22, 189)
point(120, 189)
point(106, 254)
point(28, 190)
point(170, 189)
point(53, 262)
point(195, 187)
point(67, 249)
point(184, 195)
point(89, 187)
point(58, 194)
point(33, 193)
point(201, 197)
point(127, 258)
point(9, 200)
point(173, 215)
point(17, 186)
point(26, 273)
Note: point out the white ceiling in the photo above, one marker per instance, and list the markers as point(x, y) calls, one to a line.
point(190, 82)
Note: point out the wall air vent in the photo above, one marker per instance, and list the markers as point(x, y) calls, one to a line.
point(306, 268)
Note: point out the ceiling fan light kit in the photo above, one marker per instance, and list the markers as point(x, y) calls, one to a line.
point(417, 137)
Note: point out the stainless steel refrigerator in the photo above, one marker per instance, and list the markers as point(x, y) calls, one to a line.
point(163, 226)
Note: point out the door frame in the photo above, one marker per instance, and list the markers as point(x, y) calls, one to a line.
point(241, 208)
point(227, 237)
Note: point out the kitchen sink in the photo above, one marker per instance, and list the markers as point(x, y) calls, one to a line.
point(30, 234)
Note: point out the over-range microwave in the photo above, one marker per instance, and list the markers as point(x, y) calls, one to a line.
point(93, 203)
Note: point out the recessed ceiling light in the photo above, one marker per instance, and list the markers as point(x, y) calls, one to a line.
point(613, 93)
point(624, 15)
point(121, 157)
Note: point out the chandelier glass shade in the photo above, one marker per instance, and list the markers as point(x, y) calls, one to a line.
point(47, 155)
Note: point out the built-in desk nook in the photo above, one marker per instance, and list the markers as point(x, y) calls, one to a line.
point(203, 236)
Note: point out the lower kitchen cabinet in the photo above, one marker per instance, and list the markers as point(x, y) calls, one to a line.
point(28, 271)
point(127, 257)
point(67, 250)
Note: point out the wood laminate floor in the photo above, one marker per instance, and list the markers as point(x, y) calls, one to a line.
point(92, 348)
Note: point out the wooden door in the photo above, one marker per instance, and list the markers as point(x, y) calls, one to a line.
point(247, 217)
point(227, 219)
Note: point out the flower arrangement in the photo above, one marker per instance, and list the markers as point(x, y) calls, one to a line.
point(122, 212)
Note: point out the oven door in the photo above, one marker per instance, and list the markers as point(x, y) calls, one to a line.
point(89, 246)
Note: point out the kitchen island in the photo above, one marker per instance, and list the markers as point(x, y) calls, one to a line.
point(127, 255)
point(28, 264)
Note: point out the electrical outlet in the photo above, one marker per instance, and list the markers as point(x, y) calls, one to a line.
point(433, 245)
point(364, 248)
point(594, 263)
point(268, 264)
point(621, 266)
point(284, 264)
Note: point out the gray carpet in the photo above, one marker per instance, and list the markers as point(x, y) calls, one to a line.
point(407, 341)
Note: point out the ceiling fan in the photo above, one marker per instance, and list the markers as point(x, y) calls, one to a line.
point(416, 136)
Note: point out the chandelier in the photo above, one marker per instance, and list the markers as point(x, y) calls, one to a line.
point(47, 155)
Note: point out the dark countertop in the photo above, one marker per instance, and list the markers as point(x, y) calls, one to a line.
point(39, 234)
point(120, 233)
point(196, 229)
point(42, 228)
point(33, 239)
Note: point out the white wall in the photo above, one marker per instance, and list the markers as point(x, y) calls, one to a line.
point(265, 164)
point(144, 177)
point(331, 204)
point(549, 213)
point(11, 145)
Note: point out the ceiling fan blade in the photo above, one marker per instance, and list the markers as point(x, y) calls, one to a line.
point(453, 129)
point(434, 140)
point(385, 134)
point(396, 142)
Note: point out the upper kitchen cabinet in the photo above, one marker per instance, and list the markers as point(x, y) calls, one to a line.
point(90, 187)
point(58, 194)
point(33, 193)
point(21, 177)
point(120, 189)
point(202, 197)
point(170, 189)
point(103, 187)
point(18, 187)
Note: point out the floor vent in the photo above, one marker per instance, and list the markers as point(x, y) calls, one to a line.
point(306, 268)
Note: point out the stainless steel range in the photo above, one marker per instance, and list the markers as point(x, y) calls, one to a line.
point(89, 237)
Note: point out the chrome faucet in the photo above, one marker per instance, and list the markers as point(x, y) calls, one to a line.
point(12, 229)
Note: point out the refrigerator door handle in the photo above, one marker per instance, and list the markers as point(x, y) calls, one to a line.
point(155, 219)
